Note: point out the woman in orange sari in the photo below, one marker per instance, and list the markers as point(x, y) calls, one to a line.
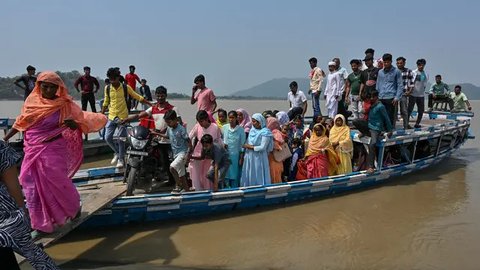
point(276, 167)
point(321, 159)
point(342, 143)
point(53, 149)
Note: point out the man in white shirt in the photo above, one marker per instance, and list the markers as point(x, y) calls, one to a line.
point(420, 81)
point(297, 101)
point(316, 78)
point(342, 104)
point(332, 90)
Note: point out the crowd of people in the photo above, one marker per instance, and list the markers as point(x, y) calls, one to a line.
point(224, 149)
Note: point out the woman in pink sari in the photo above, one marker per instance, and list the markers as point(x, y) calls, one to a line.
point(53, 149)
point(199, 167)
point(276, 167)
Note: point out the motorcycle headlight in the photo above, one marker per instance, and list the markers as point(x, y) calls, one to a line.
point(138, 144)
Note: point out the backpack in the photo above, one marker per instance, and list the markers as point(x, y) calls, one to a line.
point(125, 94)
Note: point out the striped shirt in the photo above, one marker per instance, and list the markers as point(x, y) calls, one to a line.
point(407, 78)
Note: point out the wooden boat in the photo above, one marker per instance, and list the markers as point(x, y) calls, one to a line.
point(443, 133)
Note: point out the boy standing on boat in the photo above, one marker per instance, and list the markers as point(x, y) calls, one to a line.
point(459, 101)
point(316, 78)
point(420, 84)
point(203, 96)
point(116, 98)
point(389, 86)
point(181, 149)
point(28, 81)
point(407, 78)
point(89, 86)
point(378, 122)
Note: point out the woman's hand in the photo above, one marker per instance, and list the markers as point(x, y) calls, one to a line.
point(248, 146)
point(70, 123)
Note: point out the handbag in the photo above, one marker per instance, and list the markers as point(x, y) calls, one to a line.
point(282, 154)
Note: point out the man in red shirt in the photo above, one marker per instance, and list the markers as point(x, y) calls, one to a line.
point(87, 84)
point(132, 79)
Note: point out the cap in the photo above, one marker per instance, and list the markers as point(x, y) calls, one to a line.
point(331, 63)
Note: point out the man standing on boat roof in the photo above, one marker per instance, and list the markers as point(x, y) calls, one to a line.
point(389, 86)
point(407, 78)
point(368, 77)
point(342, 104)
point(420, 84)
point(116, 98)
point(28, 81)
point(316, 78)
point(87, 84)
point(352, 88)
point(333, 90)
point(370, 53)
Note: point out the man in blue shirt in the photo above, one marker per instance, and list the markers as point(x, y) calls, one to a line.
point(389, 86)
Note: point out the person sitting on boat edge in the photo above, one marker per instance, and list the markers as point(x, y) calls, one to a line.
point(181, 146)
point(234, 137)
point(438, 92)
point(459, 101)
point(297, 101)
point(116, 103)
point(153, 119)
point(378, 123)
point(217, 153)
point(342, 143)
point(199, 166)
point(256, 169)
point(14, 224)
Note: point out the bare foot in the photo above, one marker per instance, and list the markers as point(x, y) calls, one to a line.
point(370, 170)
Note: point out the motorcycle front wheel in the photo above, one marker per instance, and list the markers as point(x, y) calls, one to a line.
point(131, 181)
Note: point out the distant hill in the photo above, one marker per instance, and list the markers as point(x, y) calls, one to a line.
point(278, 88)
point(10, 91)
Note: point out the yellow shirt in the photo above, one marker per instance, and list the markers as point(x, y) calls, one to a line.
point(116, 100)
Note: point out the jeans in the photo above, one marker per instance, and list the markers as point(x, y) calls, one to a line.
point(357, 106)
point(119, 146)
point(316, 105)
point(390, 109)
point(374, 135)
point(88, 98)
point(420, 101)
point(404, 101)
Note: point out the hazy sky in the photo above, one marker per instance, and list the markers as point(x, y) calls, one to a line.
point(235, 44)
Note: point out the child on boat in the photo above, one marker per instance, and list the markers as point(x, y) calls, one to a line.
point(220, 161)
point(181, 149)
point(234, 137)
point(297, 154)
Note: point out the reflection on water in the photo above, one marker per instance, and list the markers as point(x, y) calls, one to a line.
point(426, 220)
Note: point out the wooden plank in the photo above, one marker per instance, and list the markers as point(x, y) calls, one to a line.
point(94, 198)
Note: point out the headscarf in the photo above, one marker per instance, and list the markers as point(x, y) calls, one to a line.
point(282, 118)
point(220, 124)
point(247, 122)
point(341, 135)
point(37, 108)
point(319, 143)
point(274, 126)
point(255, 135)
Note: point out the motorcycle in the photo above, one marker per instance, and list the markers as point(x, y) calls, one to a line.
point(144, 161)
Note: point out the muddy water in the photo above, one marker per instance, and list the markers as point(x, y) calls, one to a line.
point(426, 220)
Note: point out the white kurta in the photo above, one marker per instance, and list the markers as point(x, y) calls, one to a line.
point(332, 93)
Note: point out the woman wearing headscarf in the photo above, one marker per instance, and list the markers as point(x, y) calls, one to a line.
point(256, 170)
point(53, 124)
point(244, 120)
point(276, 167)
point(14, 224)
point(321, 159)
point(282, 118)
point(342, 143)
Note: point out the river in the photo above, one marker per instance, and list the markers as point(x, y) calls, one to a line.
point(425, 220)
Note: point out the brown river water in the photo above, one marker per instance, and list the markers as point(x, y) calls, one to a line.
point(425, 220)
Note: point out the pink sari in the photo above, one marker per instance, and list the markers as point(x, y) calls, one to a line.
point(53, 154)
